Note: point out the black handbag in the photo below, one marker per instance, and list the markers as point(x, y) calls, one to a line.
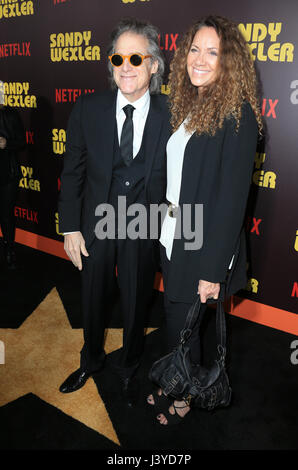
point(196, 385)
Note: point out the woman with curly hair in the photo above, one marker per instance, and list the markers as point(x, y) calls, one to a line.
point(210, 157)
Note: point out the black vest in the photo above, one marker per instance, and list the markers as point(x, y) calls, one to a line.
point(128, 181)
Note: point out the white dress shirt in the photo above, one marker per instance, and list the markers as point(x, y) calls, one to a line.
point(139, 117)
point(139, 120)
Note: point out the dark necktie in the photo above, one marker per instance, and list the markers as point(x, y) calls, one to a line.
point(126, 141)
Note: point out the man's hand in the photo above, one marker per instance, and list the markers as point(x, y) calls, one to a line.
point(3, 143)
point(208, 290)
point(74, 245)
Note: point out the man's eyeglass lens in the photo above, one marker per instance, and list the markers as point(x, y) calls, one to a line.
point(135, 59)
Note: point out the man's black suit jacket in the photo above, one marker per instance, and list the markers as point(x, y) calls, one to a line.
point(216, 173)
point(88, 164)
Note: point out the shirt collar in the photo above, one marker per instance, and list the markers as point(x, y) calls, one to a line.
point(141, 105)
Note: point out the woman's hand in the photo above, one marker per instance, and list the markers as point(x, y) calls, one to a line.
point(208, 290)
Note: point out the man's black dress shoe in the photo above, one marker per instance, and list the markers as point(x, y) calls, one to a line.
point(130, 390)
point(75, 381)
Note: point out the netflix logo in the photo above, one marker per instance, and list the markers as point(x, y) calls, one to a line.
point(167, 42)
point(253, 225)
point(56, 2)
point(26, 214)
point(15, 49)
point(69, 95)
point(295, 290)
point(269, 107)
point(30, 137)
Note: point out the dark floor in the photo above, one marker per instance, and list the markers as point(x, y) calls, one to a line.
point(263, 414)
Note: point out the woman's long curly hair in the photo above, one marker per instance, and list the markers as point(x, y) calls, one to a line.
point(235, 82)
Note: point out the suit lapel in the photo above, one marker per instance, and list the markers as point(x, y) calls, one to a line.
point(152, 132)
point(106, 134)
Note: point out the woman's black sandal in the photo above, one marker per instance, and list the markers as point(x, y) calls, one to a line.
point(159, 401)
point(175, 418)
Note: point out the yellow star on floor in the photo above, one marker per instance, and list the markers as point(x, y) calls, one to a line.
point(40, 355)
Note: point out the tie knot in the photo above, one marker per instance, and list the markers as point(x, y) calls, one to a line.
point(128, 109)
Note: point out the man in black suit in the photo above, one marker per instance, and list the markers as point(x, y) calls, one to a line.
point(115, 147)
point(12, 140)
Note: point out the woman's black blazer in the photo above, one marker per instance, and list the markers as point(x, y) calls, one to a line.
point(216, 173)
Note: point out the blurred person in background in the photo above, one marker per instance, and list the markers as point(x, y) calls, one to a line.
point(12, 140)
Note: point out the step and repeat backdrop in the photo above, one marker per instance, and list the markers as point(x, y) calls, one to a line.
point(52, 51)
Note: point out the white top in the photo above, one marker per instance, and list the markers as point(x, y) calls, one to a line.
point(175, 156)
point(139, 117)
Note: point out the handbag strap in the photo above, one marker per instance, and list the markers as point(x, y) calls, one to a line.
point(195, 314)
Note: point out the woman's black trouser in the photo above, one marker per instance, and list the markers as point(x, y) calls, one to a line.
point(175, 315)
